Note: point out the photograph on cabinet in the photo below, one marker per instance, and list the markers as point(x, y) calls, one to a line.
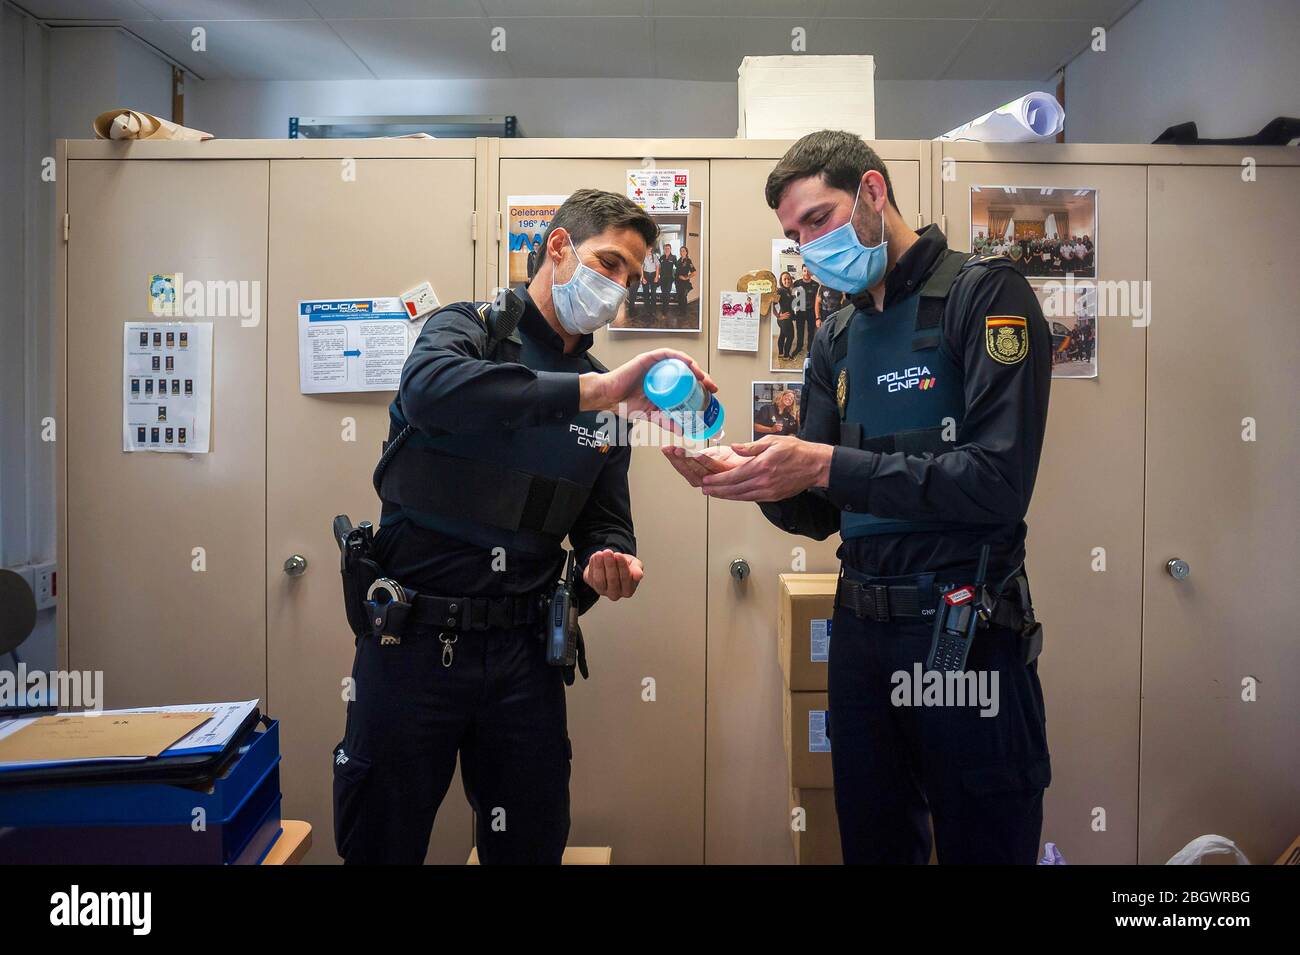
point(799, 306)
point(1071, 313)
point(776, 407)
point(671, 289)
point(1048, 231)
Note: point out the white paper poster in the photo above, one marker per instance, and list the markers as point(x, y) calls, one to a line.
point(741, 313)
point(354, 344)
point(659, 190)
point(166, 386)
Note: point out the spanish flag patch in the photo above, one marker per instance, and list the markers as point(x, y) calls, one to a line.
point(1006, 338)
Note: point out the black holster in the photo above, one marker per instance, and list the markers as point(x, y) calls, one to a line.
point(1014, 609)
point(358, 569)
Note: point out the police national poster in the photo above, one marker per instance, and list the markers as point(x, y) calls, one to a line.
point(659, 190)
point(527, 219)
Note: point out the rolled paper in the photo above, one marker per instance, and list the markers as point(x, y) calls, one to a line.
point(1032, 118)
point(133, 124)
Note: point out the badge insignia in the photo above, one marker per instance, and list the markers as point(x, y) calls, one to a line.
point(842, 391)
point(1006, 338)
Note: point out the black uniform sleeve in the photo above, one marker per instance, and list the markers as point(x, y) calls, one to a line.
point(448, 386)
point(989, 474)
point(810, 514)
point(606, 519)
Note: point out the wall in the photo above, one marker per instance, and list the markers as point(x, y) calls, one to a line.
point(93, 69)
point(1229, 67)
point(559, 108)
point(26, 325)
point(53, 82)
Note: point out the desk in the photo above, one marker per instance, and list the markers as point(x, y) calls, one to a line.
point(292, 845)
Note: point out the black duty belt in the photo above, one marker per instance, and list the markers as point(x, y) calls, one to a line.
point(879, 602)
point(464, 613)
point(885, 602)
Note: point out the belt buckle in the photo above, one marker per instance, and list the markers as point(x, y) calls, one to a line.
point(880, 602)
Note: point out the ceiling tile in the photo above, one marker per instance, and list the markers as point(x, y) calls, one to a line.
point(696, 48)
point(578, 46)
point(686, 8)
point(907, 9)
point(1096, 12)
point(413, 49)
point(205, 10)
point(563, 8)
point(1018, 49)
point(278, 50)
point(396, 9)
point(174, 41)
point(85, 9)
point(903, 49)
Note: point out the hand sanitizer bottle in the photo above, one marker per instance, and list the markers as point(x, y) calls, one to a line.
point(672, 386)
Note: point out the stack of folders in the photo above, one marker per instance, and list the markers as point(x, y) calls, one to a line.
point(189, 784)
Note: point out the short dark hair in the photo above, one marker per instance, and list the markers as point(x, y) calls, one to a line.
point(589, 212)
point(839, 158)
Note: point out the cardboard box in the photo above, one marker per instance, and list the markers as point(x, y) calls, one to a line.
point(573, 855)
point(807, 603)
point(807, 749)
point(785, 97)
point(819, 841)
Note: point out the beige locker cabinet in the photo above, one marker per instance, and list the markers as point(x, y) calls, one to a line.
point(638, 725)
point(374, 227)
point(1220, 662)
point(677, 736)
point(748, 787)
point(1088, 495)
point(136, 529)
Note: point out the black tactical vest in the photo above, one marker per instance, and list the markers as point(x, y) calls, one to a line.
point(896, 389)
point(520, 489)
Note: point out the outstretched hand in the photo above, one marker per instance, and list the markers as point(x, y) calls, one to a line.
point(773, 469)
point(622, 386)
point(696, 465)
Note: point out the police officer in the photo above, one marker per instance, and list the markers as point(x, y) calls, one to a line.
point(498, 451)
point(923, 412)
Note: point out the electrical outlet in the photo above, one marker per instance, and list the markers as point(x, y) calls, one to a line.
point(45, 584)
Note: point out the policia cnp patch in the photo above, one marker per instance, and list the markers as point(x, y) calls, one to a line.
point(1006, 338)
point(842, 391)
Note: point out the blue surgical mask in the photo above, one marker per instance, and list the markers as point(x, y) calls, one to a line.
point(840, 260)
point(588, 300)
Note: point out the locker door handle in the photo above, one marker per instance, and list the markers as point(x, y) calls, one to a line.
point(1178, 568)
point(739, 568)
point(295, 565)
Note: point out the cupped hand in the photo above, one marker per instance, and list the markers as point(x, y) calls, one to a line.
point(613, 575)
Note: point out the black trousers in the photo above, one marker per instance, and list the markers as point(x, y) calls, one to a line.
point(499, 706)
point(785, 337)
point(980, 778)
point(803, 322)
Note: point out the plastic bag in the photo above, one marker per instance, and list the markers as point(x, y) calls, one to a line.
point(1052, 855)
point(1208, 845)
